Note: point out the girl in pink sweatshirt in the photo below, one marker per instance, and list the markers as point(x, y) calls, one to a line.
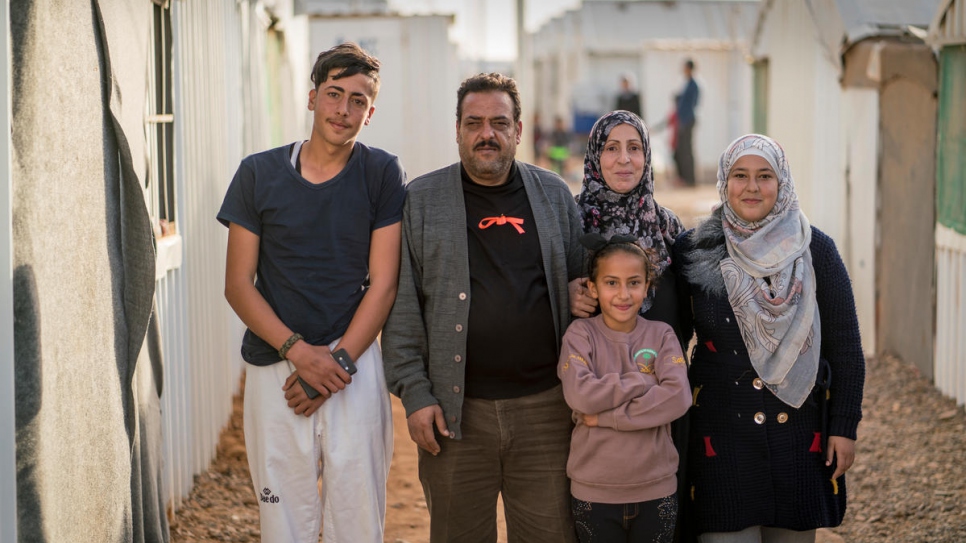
point(626, 380)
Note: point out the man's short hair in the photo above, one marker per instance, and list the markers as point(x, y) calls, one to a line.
point(689, 63)
point(351, 59)
point(486, 83)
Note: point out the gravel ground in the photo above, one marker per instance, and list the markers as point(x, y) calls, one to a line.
point(909, 479)
point(908, 483)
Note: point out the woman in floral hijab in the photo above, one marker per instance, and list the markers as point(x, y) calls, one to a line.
point(612, 203)
point(617, 198)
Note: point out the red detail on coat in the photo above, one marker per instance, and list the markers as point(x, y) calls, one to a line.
point(710, 346)
point(816, 443)
point(708, 449)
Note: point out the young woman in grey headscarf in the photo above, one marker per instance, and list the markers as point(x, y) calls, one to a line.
point(617, 197)
point(777, 371)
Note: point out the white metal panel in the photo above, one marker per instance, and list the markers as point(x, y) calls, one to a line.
point(860, 125)
point(950, 373)
point(219, 116)
point(804, 109)
point(429, 129)
point(826, 196)
point(791, 50)
point(8, 433)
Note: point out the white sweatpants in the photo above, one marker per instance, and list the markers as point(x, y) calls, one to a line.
point(347, 442)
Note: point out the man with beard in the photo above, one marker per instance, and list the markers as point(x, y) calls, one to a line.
point(471, 344)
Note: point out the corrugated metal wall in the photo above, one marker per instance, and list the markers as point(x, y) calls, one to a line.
point(950, 375)
point(949, 31)
point(8, 434)
point(220, 115)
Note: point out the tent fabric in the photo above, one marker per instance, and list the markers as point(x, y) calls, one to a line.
point(87, 387)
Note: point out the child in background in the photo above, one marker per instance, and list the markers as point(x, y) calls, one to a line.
point(626, 380)
point(559, 150)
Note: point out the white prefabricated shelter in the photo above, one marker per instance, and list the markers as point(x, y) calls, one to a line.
point(579, 57)
point(416, 108)
point(8, 427)
point(848, 88)
point(948, 34)
point(123, 354)
point(122, 371)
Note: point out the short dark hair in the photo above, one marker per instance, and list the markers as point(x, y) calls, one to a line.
point(485, 83)
point(689, 63)
point(352, 60)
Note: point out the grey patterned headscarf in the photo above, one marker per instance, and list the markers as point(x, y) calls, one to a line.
point(770, 279)
point(635, 213)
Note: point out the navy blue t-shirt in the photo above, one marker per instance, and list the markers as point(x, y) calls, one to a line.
point(313, 256)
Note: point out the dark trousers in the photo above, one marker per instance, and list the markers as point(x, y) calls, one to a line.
point(684, 154)
point(626, 522)
point(516, 448)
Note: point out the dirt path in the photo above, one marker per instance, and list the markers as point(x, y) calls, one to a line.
point(908, 482)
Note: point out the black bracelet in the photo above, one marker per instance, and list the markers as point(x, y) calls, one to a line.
point(283, 350)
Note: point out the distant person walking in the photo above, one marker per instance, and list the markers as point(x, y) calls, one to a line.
point(686, 102)
point(628, 99)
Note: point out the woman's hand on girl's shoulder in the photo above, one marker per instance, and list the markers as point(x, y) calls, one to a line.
point(581, 303)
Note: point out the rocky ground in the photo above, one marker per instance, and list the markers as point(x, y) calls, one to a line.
point(908, 483)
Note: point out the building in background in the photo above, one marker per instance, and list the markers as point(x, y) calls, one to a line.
point(125, 353)
point(849, 89)
point(947, 34)
point(579, 57)
point(416, 108)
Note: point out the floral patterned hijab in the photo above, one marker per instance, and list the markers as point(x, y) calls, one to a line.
point(635, 213)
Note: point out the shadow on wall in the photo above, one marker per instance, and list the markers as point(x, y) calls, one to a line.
point(27, 397)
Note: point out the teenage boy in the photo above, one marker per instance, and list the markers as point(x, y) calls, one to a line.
point(313, 260)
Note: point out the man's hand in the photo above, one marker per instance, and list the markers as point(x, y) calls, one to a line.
point(581, 303)
point(317, 367)
point(421, 428)
point(298, 400)
point(842, 450)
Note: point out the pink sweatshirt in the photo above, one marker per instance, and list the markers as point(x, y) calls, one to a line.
point(636, 383)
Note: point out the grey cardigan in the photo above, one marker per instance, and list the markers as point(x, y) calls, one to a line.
point(424, 339)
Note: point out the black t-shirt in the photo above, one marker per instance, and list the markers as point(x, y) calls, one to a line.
point(313, 256)
point(511, 345)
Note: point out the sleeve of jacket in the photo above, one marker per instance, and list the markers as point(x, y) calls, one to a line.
point(662, 403)
point(576, 255)
point(404, 336)
point(583, 390)
point(685, 314)
point(841, 343)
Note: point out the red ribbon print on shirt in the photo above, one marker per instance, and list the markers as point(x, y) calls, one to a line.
point(501, 220)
